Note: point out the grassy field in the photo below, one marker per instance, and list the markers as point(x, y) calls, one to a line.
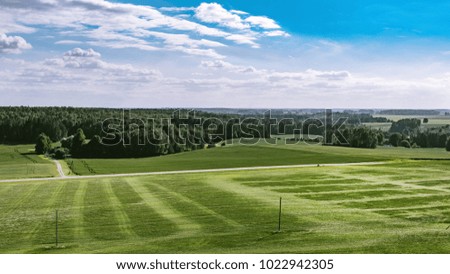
point(432, 118)
point(249, 156)
point(392, 208)
point(380, 126)
point(21, 162)
point(398, 207)
point(433, 121)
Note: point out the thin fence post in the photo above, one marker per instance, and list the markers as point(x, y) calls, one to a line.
point(56, 229)
point(279, 218)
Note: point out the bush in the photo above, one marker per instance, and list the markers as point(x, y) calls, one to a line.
point(43, 144)
point(60, 153)
point(395, 139)
point(447, 145)
point(405, 143)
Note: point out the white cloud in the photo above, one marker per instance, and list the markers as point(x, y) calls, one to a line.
point(215, 13)
point(244, 39)
point(276, 33)
point(223, 65)
point(262, 22)
point(77, 52)
point(134, 26)
point(76, 72)
point(12, 44)
point(177, 9)
point(240, 12)
point(67, 42)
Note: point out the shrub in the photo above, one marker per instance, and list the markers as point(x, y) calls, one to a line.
point(60, 153)
point(395, 139)
point(405, 143)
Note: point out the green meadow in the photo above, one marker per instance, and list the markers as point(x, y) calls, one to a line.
point(398, 206)
point(391, 208)
point(235, 156)
point(20, 161)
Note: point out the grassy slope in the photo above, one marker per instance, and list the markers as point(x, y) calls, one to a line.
point(394, 208)
point(248, 156)
point(20, 162)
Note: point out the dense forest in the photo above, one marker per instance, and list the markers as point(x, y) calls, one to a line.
point(103, 132)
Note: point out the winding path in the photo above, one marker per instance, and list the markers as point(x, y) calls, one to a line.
point(64, 177)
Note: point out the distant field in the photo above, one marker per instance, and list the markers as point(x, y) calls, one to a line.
point(432, 120)
point(224, 157)
point(21, 162)
point(381, 126)
point(401, 207)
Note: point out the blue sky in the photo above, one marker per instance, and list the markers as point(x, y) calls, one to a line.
point(344, 19)
point(252, 53)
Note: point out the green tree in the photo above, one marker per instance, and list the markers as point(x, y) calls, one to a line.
point(78, 142)
point(380, 138)
point(405, 143)
point(447, 145)
point(395, 139)
point(61, 153)
point(43, 144)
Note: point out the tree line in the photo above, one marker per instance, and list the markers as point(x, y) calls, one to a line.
point(107, 133)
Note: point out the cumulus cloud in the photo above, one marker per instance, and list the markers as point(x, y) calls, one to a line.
point(12, 44)
point(190, 30)
point(276, 33)
point(262, 22)
point(223, 65)
point(215, 13)
point(89, 59)
point(75, 72)
point(77, 52)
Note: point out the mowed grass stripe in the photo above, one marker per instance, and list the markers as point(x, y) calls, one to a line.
point(44, 226)
point(211, 221)
point(62, 198)
point(120, 214)
point(80, 234)
point(249, 213)
point(39, 207)
point(18, 197)
point(184, 227)
point(98, 215)
point(396, 202)
point(311, 190)
point(17, 218)
point(144, 220)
